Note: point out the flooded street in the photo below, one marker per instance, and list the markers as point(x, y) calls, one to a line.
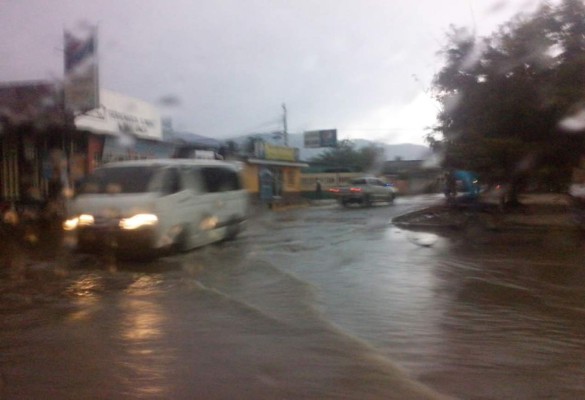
point(313, 303)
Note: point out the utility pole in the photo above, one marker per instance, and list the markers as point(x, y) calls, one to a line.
point(285, 132)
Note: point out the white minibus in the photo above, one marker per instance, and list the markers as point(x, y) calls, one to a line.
point(151, 205)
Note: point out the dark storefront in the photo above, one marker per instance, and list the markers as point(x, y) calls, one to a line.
point(37, 143)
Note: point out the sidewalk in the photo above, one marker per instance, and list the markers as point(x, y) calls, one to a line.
point(538, 212)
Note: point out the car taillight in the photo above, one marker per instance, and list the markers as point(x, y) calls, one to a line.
point(355, 190)
point(334, 190)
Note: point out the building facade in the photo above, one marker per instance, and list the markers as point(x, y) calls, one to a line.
point(45, 152)
point(35, 137)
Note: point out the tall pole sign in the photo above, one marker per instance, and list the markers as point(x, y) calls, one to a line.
point(81, 72)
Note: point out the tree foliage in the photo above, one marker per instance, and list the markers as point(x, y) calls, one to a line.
point(345, 155)
point(504, 97)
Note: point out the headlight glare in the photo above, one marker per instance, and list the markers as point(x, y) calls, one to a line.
point(85, 220)
point(208, 223)
point(138, 221)
point(70, 224)
point(75, 222)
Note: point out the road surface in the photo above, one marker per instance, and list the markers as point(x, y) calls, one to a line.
point(315, 303)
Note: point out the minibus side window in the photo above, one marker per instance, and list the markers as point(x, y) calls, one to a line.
point(211, 179)
point(231, 180)
point(219, 179)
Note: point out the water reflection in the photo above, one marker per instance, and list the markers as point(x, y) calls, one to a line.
point(85, 291)
point(145, 285)
point(86, 286)
point(142, 320)
point(146, 355)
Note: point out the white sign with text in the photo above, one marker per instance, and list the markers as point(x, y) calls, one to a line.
point(122, 115)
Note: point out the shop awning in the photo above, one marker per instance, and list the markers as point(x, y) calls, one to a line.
point(277, 163)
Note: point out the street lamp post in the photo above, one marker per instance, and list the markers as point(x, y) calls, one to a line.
point(284, 122)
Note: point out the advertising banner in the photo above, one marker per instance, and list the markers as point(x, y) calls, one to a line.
point(312, 140)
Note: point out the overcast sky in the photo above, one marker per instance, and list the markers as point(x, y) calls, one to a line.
point(361, 66)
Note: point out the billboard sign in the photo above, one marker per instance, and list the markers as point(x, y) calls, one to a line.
point(321, 138)
point(312, 139)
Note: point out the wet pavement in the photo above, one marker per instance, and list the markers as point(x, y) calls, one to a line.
point(320, 302)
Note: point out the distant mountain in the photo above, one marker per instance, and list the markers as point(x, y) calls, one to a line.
point(404, 151)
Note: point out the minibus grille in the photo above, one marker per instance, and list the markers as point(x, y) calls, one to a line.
point(101, 221)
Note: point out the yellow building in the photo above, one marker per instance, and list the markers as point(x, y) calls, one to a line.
point(273, 173)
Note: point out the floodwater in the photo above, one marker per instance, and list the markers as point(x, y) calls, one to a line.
point(314, 303)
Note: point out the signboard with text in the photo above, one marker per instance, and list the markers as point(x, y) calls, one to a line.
point(115, 149)
point(119, 115)
point(269, 151)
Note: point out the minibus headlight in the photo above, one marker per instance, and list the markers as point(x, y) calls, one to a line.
point(86, 220)
point(138, 221)
point(71, 224)
point(75, 222)
point(208, 223)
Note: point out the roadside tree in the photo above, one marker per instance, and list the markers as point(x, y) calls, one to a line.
point(506, 99)
point(365, 159)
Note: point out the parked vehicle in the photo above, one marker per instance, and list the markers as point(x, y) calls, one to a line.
point(364, 191)
point(148, 206)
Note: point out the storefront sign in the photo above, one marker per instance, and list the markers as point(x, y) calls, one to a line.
point(122, 115)
point(269, 151)
point(139, 149)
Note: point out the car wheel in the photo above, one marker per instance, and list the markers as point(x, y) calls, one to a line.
point(232, 231)
point(181, 244)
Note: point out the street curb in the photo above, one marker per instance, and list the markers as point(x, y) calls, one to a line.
point(401, 221)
